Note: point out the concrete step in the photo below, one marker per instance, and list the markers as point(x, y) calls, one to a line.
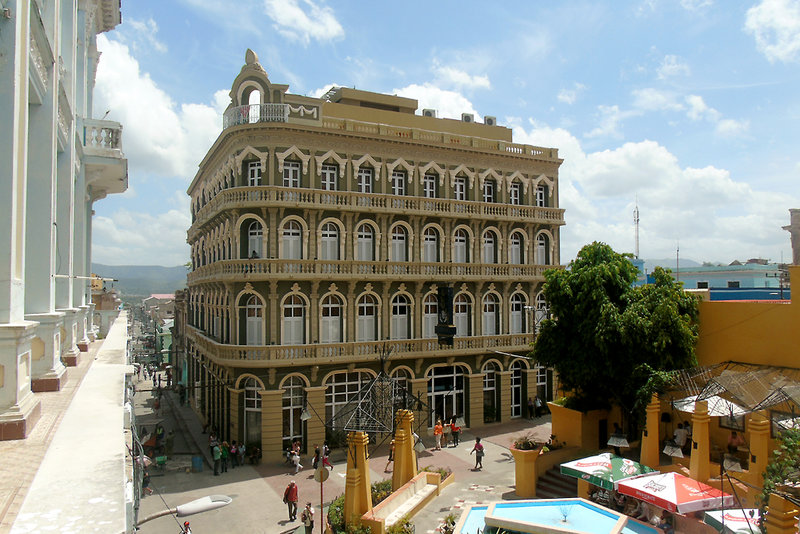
point(554, 485)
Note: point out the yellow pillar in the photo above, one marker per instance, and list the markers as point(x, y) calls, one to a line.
point(357, 491)
point(315, 427)
point(584, 489)
point(650, 438)
point(271, 424)
point(505, 395)
point(699, 464)
point(781, 516)
point(405, 461)
point(759, 447)
point(475, 411)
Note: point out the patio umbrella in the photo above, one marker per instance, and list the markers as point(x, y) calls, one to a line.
point(735, 521)
point(675, 492)
point(604, 470)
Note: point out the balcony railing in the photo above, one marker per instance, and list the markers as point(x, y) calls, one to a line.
point(258, 197)
point(241, 270)
point(102, 137)
point(254, 113)
point(275, 355)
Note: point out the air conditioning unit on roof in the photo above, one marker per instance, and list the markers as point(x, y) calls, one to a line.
point(429, 113)
point(488, 120)
point(468, 117)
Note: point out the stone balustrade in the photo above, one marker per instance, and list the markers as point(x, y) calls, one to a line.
point(102, 135)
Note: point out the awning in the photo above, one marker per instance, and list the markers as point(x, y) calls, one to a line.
point(734, 521)
point(717, 406)
point(605, 470)
point(675, 493)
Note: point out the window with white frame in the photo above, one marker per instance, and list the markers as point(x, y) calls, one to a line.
point(540, 311)
point(294, 320)
point(542, 255)
point(460, 246)
point(489, 247)
point(515, 193)
point(516, 389)
point(462, 315)
point(430, 318)
point(254, 173)
point(488, 191)
point(365, 179)
point(292, 241)
point(255, 240)
point(430, 245)
point(254, 324)
point(541, 196)
point(291, 174)
point(517, 314)
point(491, 315)
point(399, 239)
point(365, 247)
point(490, 392)
point(331, 324)
point(429, 186)
point(340, 389)
point(399, 183)
point(515, 248)
point(252, 411)
point(330, 175)
point(293, 403)
point(367, 325)
point(401, 317)
point(329, 247)
point(733, 283)
point(702, 285)
point(460, 188)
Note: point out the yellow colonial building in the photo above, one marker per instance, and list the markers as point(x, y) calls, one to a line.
point(321, 232)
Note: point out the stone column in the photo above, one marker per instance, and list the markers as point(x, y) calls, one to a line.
point(83, 328)
point(759, 428)
point(405, 457)
point(47, 371)
point(93, 328)
point(315, 427)
point(69, 340)
point(650, 436)
point(358, 491)
point(271, 424)
point(475, 410)
point(699, 464)
point(505, 395)
point(19, 408)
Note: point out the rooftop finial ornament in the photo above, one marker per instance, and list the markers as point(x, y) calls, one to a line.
point(250, 57)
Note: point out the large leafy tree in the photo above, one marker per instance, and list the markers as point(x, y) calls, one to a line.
point(608, 340)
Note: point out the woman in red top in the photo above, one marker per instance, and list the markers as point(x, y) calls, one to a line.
point(455, 430)
point(438, 430)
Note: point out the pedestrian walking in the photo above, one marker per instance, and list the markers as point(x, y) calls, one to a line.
point(538, 405)
point(326, 452)
point(146, 483)
point(316, 459)
point(531, 409)
point(224, 453)
point(391, 457)
point(307, 517)
point(478, 450)
point(296, 461)
point(438, 430)
point(290, 499)
point(455, 431)
point(216, 454)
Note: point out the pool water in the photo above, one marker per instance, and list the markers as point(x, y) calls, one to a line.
point(582, 516)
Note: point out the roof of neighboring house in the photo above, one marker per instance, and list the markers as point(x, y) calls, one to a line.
point(162, 296)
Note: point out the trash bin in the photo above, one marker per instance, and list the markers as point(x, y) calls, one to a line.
point(197, 464)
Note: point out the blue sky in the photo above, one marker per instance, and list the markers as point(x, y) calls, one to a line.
point(691, 106)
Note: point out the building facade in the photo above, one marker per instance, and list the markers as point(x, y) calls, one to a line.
point(322, 230)
point(55, 162)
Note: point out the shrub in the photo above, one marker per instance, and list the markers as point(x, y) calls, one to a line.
point(448, 526)
point(380, 490)
point(403, 526)
point(443, 471)
point(525, 443)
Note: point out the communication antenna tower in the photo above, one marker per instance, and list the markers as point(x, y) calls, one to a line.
point(636, 227)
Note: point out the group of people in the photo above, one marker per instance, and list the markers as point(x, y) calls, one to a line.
point(321, 455)
point(535, 407)
point(290, 498)
point(234, 453)
point(444, 432)
point(633, 508)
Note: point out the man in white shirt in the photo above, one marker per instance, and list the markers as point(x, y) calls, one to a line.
point(680, 435)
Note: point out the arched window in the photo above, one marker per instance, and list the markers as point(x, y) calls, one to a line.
point(515, 248)
point(255, 240)
point(252, 412)
point(489, 247)
point(401, 389)
point(293, 400)
point(491, 315)
point(367, 327)
point(462, 315)
point(460, 246)
point(540, 312)
point(254, 324)
point(401, 317)
point(491, 393)
point(516, 389)
point(341, 388)
point(365, 249)
point(446, 392)
point(399, 239)
point(517, 314)
point(329, 248)
point(430, 319)
point(430, 246)
point(330, 328)
point(542, 252)
point(292, 241)
point(294, 321)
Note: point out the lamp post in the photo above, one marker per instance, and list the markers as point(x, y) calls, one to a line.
point(197, 506)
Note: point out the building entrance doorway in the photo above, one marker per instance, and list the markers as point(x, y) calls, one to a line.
point(446, 392)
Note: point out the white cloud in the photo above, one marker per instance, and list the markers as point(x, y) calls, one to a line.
point(696, 5)
point(732, 127)
point(303, 20)
point(775, 25)
point(698, 109)
point(451, 76)
point(713, 215)
point(147, 30)
point(159, 135)
point(650, 99)
point(569, 96)
point(448, 104)
point(672, 66)
point(610, 119)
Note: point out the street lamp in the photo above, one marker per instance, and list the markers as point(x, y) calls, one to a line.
point(203, 504)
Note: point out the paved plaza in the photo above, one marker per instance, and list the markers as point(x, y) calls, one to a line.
point(257, 490)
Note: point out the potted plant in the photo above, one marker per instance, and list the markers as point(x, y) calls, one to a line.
point(525, 451)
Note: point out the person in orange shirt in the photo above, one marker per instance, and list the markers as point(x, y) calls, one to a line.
point(438, 430)
point(455, 431)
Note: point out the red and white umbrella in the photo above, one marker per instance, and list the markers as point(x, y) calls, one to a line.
point(675, 492)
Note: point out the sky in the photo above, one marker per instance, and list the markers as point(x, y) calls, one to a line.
point(689, 108)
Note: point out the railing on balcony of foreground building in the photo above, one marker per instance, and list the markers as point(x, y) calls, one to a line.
point(102, 137)
point(258, 197)
point(258, 269)
point(254, 113)
point(354, 351)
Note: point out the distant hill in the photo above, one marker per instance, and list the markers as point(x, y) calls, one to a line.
point(143, 279)
point(668, 263)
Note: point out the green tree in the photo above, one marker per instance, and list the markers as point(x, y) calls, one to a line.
point(609, 341)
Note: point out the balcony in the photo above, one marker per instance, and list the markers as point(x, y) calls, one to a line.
point(366, 351)
point(105, 164)
point(258, 197)
point(346, 270)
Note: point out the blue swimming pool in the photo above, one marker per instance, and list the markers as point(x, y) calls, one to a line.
point(535, 516)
